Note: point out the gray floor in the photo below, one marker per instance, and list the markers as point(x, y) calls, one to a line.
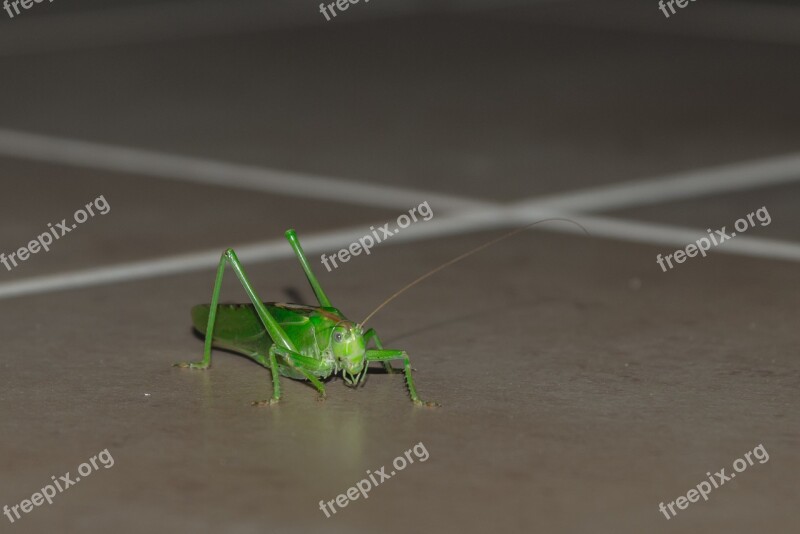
point(581, 385)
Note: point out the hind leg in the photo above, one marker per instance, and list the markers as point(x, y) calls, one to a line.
point(274, 330)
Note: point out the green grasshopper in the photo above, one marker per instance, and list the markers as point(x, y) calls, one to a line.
point(292, 340)
point(305, 342)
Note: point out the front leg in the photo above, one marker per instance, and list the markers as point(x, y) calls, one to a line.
point(372, 334)
point(389, 355)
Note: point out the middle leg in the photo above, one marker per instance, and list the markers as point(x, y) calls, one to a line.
point(308, 367)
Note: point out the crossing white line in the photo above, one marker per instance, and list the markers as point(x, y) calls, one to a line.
point(693, 184)
point(137, 161)
point(455, 215)
point(486, 219)
point(274, 249)
point(722, 179)
point(677, 236)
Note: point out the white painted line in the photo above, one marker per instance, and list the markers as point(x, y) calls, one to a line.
point(466, 215)
point(675, 236)
point(329, 242)
point(216, 173)
point(274, 249)
point(182, 263)
point(722, 179)
point(716, 180)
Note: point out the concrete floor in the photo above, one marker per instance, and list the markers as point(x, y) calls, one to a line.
point(581, 386)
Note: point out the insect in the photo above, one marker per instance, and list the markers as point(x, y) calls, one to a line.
point(302, 342)
point(292, 340)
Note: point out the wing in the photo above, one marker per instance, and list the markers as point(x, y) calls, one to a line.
point(238, 327)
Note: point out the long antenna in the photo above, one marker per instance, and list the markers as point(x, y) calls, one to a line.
point(461, 257)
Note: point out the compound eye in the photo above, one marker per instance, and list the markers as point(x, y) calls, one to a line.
point(337, 336)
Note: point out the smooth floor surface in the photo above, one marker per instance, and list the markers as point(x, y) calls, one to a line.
point(580, 384)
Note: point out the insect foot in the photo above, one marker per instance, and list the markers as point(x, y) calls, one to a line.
point(261, 403)
point(430, 404)
point(191, 365)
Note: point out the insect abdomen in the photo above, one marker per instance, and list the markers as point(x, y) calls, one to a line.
point(234, 321)
point(238, 327)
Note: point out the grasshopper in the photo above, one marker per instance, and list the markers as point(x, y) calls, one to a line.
point(292, 340)
point(305, 342)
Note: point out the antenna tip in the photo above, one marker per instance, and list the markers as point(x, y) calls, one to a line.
point(290, 234)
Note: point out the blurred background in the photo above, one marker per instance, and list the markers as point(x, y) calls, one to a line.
point(581, 385)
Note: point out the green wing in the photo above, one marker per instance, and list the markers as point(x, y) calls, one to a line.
point(238, 327)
